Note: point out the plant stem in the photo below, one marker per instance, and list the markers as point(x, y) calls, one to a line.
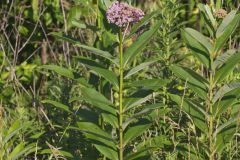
point(210, 108)
point(120, 152)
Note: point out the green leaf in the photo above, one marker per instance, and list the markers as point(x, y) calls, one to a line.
point(35, 8)
point(225, 125)
point(152, 84)
point(74, 14)
point(20, 150)
point(208, 17)
point(96, 134)
point(107, 3)
point(58, 105)
point(194, 81)
point(111, 119)
point(144, 21)
point(138, 68)
point(108, 152)
point(79, 24)
point(225, 97)
point(107, 74)
point(97, 99)
point(189, 75)
point(226, 89)
point(137, 98)
point(104, 107)
point(66, 73)
point(195, 111)
point(93, 50)
point(226, 29)
point(60, 70)
point(87, 114)
point(225, 133)
point(13, 130)
point(219, 4)
point(139, 44)
point(199, 44)
point(202, 93)
point(142, 153)
point(145, 148)
point(222, 59)
point(135, 131)
point(144, 112)
point(227, 67)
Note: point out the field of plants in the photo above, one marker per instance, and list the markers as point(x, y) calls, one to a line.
point(119, 80)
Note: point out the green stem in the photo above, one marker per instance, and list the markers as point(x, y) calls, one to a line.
point(210, 108)
point(120, 152)
point(98, 16)
point(212, 3)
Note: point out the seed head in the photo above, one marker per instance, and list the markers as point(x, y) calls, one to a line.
point(220, 13)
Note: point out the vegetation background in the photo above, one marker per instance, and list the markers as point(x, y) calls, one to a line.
point(42, 74)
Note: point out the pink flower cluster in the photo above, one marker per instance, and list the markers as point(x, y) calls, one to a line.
point(121, 14)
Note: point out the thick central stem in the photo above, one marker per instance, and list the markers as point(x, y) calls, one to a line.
point(121, 96)
point(210, 108)
point(211, 144)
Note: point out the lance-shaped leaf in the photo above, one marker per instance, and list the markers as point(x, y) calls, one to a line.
point(196, 112)
point(144, 21)
point(101, 139)
point(138, 68)
point(92, 130)
point(222, 59)
point(194, 81)
point(111, 119)
point(100, 70)
point(93, 50)
point(190, 75)
point(227, 67)
point(20, 150)
point(226, 89)
point(152, 84)
point(87, 114)
point(66, 73)
point(226, 29)
point(58, 105)
point(224, 133)
point(140, 154)
point(145, 148)
point(199, 44)
point(98, 104)
point(208, 18)
point(226, 97)
point(96, 99)
point(137, 98)
point(136, 130)
point(13, 130)
point(144, 112)
point(139, 44)
point(106, 151)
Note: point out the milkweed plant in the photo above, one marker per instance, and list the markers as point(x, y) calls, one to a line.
point(128, 110)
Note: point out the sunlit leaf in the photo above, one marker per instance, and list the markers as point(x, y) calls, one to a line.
point(100, 70)
point(132, 51)
point(136, 130)
point(226, 29)
point(199, 44)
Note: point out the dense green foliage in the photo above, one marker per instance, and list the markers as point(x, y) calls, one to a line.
point(75, 87)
